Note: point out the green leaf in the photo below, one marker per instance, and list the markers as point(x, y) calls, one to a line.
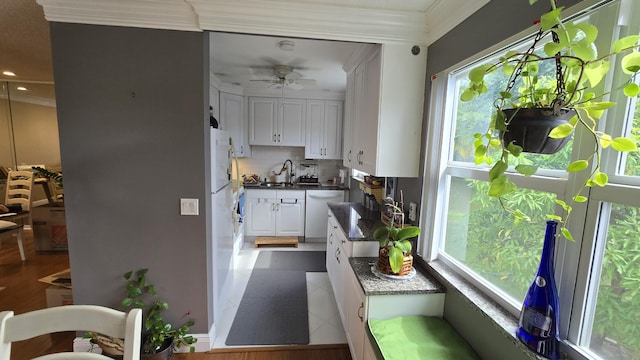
point(566, 233)
point(632, 90)
point(514, 149)
point(126, 302)
point(577, 165)
point(631, 63)
point(477, 74)
point(561, 131)
point(526, 170)
point(600, 179)
point(395, 259)
point(497, 170)
point(404, 245)
point(590, 31)
point(551, 48)
point(550, 19)
point(500, 119)
point(531, 2)
point(623, 144)
point(605, 140)
point(480, 151)
point(601, 105)
point(584, 51)
point(127, 275)
point(508, 69)
point(596, 71)
point(494, 142)
point(407, 233)
point(501, 186)
point(624, 43)
point(554, 217)
point(579, 198)
point(467, 95)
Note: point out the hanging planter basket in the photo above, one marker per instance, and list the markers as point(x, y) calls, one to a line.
point(529, 128)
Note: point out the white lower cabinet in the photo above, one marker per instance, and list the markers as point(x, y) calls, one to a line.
point(354, 305)
point(274, 213)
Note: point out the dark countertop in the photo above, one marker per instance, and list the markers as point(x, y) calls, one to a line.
point(421, 283)
point(357, 223)
point(261, 186)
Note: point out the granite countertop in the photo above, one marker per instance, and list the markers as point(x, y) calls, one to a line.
point(421, 283)
point(295, 186)
point(357, 223)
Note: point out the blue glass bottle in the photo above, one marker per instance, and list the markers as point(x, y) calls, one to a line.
point(539, 317)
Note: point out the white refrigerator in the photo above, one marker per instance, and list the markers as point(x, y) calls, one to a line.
point(222, 212)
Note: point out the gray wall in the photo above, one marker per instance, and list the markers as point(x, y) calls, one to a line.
point(133, 123)
point(485, 28)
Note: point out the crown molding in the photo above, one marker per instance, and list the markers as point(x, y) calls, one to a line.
point(156, 14)
point(443, 16)
point(350, 21)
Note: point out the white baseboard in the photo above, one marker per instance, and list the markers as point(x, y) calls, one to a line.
point(204, 343)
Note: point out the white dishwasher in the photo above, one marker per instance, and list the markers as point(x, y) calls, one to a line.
point(316, 213)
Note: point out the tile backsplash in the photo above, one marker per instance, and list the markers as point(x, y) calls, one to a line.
point(265, 160)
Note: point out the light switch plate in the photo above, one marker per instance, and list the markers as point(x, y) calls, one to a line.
point(189, 207)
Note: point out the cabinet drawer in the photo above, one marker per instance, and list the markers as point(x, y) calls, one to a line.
point(290, 194)
point(261, 194)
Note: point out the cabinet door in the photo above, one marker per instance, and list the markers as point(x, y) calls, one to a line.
point(260, 217)
point(233, 121)
point(263, 121)
point(291, 122)
point(348, 147)
point(290, 217)
point(369, 125)
point(214, 101)
point(332, 129)
point(356, 316)
point(315, 127)
point(359, 113)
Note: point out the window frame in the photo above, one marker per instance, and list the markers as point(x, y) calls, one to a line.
point(577, 274)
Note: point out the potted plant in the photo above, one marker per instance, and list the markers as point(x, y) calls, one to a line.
point(160, 338)
point(568, 95)
point(395, 256)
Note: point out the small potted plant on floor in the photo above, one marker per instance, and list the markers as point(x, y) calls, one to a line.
point(395, 256)
point(159, 338)
point(538, 111)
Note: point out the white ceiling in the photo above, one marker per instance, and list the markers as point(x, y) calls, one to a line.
point(239, 58)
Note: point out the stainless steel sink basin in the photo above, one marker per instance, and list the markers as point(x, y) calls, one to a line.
point(276, 184)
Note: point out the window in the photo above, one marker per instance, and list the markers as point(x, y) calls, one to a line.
point(598, 275)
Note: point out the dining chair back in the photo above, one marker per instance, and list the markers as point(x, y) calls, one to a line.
point(19, 188)
point(93, 318)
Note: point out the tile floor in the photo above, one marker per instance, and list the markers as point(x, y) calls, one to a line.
point(325, 326)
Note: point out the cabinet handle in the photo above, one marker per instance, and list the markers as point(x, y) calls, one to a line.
point(288, 201)
point(241, 149)
point(361, 308)
point(335, 227)
point(278, 137)
point(349, 156)
point(338, 255)
point(274, 137)
point(343, 241)
point(331, 239)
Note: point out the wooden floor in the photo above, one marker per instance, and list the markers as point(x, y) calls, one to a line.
point(23, 292)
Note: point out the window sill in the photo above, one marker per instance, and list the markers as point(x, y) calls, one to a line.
point(504, 322)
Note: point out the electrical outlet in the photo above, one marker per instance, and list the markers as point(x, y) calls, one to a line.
point(188, 206)
point(412, 211)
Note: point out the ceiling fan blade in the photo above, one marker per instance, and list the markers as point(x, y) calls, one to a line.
point(306, 82)
point(294, 86)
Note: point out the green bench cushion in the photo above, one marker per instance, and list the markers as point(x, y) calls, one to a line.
point(419, 337)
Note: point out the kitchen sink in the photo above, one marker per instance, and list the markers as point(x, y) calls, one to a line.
point(276, 184)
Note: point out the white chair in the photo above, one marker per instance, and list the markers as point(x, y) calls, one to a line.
point(19, 187)
point(72, 318)
point(8, 228)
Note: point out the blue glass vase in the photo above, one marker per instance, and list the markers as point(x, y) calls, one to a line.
point(539, 317)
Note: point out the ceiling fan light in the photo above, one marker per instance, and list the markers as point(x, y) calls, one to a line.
point(8, 73)
point(286, 45)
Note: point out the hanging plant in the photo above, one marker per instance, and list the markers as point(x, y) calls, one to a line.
point(570, 98)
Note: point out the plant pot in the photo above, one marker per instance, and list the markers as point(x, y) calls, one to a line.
point(530, 128)
point(384, 266)
point(165, 354)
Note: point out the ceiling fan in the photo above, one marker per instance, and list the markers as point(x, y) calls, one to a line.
point(285, 77)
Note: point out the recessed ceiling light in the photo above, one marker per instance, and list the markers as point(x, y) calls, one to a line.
point(21, 88)
point(8, 73)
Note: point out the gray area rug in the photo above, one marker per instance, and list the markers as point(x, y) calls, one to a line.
point(273, 309)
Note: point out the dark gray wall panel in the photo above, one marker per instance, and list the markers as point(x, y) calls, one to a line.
point(133, 133)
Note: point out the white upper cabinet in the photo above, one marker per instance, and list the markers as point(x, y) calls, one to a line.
point(276, 121)
point(385, 103)
point(232, 120)
point(324, 129)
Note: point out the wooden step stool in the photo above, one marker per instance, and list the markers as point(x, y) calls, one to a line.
point(276, 240)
